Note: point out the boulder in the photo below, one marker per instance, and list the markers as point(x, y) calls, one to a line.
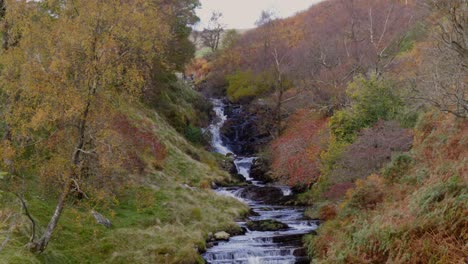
point(221, 236)
point(260, 172)
point(266, 225)
point(269, 195)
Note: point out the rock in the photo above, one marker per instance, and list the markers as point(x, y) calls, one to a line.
point(260, 172)
point(221, 236)
point(300, 252)
point(289, 240)
point(266, 225)
point(269, 195)
point(100, 219)
point(238, 232)
point(302, 260)
point(239, 177)
point(228, 165)
point(245, 131)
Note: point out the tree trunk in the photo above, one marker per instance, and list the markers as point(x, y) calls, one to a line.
point(41, 245)
point(279, 118)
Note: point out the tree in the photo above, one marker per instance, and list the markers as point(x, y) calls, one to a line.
point(211, 35)
point(441, 81)
point(63, 90)
point(230, 38)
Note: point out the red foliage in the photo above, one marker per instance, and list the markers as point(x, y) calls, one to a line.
point(141, 140)
point(327, 212)
point(323, 48)
point(296, 151)
point(338, 191)
point(198, 69)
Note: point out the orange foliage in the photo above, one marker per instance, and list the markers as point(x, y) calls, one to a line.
point(327, 212)
point(296, 151)
point(198, 69)
point(323, 48)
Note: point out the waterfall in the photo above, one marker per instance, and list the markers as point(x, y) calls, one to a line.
point(255, 247)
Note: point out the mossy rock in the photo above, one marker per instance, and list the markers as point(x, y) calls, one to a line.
point(266, 225)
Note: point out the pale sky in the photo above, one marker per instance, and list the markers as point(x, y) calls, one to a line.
point(242, 14)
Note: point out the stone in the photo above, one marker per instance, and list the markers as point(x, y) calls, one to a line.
point(268, 195)
point(100, 219)
point(266, 225)
point(221, 236)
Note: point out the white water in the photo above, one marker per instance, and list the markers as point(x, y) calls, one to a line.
point(256, 247)
point(215, 128)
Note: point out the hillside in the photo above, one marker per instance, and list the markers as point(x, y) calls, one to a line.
point(103, 157)
point(364, 105)
point(338, 135)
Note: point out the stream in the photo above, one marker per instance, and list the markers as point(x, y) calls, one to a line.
point(255, 247)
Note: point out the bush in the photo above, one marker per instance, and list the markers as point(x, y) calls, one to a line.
point(367, 194)
point(194, 135)
point(372, 149)
point(245, 85)
point(371, 99)
point(327, 212)
point(295, 153)
point(397, 167)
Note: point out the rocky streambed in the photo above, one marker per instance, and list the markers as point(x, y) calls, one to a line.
point(274, 231)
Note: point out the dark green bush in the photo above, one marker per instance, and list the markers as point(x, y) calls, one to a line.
point(194, 135)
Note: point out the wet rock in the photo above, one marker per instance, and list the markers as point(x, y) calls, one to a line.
point(228, 165)
point(289, 240)
point(269, 195)
point(253, 213)
point(302, 260)
point(221, 236)
point(239, 177)
point(260, 172)
point(266, 225)
point(244, 131)
point(300, 252)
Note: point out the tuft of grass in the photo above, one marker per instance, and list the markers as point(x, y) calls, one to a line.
point(398, 167)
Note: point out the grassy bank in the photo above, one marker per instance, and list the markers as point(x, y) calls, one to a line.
point(412, 211)
point(162, 215)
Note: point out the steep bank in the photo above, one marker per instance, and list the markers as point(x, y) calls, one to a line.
point(413, 211)
point(161, 215)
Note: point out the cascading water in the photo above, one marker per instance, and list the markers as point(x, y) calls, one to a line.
point(255, 247)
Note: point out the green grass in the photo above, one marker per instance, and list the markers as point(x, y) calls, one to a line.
point(200, 53)
point(163, 216)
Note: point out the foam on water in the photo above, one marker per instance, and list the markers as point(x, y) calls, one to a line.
point(256, 247)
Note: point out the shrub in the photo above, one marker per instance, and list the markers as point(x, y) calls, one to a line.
point(367, 194)
point(371, 151)
point(327, 212)
point(245, 84)
point(397, 167)
point(194, 135)
point(371, 99)
point(295, 154)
